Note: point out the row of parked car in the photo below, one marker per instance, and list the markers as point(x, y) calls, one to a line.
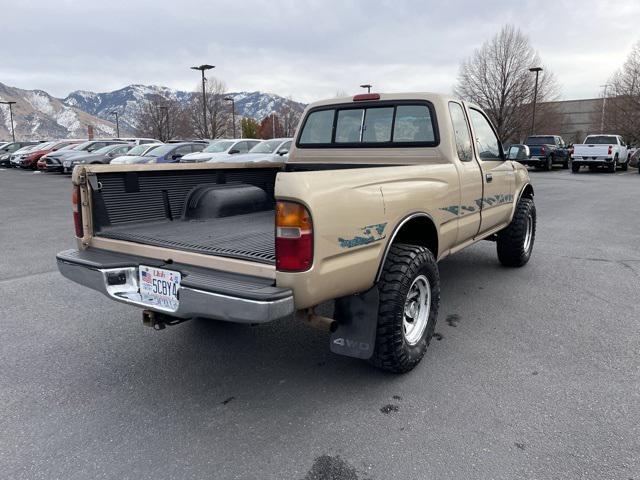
point(608, 151)
point(64, 155)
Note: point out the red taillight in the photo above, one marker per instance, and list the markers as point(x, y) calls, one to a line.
point(610, 150)
point(294, 237)
point(77, 211)
point(366, 96)
point(543, 150)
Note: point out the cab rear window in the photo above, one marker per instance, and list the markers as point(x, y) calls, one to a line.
point(383, 124)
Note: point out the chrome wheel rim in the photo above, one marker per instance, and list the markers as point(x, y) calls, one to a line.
point(417, 306)
point(528, 233)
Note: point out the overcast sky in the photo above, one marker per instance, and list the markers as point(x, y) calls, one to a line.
point(306, 49)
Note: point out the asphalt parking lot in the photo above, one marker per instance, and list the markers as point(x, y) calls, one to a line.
point(534, 372)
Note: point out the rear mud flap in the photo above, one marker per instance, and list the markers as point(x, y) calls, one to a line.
point(357, 317)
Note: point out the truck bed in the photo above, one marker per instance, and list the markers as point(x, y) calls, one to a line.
point(221, 212)
point(247, 237)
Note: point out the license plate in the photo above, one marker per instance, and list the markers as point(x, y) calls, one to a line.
point(66, 164)
point(159, 287)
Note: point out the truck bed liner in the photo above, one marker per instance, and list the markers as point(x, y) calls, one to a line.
point(248, 237)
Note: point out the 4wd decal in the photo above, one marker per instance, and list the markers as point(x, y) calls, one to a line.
point(368, 234)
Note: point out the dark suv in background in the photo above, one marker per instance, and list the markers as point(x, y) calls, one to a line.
point(545, 151)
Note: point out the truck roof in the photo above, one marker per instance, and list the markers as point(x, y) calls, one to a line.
point(429, 96)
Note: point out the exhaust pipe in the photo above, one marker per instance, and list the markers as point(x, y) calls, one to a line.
point(318, 321)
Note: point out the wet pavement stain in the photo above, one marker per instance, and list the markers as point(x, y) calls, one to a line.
point(397, 397)
point(327, 467)
point(453, 319)
point(438, 336)
point(519, 445)
point(535, 372)
point(230, 399)
point(389, 408)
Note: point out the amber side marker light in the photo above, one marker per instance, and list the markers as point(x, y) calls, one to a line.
point(294, 237)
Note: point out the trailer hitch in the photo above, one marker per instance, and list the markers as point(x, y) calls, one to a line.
point(160, 321)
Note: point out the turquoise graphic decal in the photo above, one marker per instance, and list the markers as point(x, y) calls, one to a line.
point(497, 199)
point(369, 234)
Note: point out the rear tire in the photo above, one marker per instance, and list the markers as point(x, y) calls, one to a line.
point(548, 166)
point(625, 166)
point(515, 243)
point(565, 164)
point(409, 300)
point(614, 165)
point(575, 168)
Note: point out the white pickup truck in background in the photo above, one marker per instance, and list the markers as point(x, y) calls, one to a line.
point(609, 151)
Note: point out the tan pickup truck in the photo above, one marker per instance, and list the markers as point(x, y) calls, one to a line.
point(377, 189)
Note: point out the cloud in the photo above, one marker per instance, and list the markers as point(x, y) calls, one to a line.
point(307, 50)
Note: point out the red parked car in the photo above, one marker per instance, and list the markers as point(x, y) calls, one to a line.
point(31, 160)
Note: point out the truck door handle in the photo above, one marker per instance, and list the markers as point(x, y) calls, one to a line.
point(489, 177)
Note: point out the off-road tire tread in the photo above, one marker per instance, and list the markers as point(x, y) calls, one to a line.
point(510, 240)
point(401, 267)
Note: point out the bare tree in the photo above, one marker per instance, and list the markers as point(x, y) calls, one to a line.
point(290, 115)
point(162, 118)
point(219, 122)
point(622, 107)
point(497, 78)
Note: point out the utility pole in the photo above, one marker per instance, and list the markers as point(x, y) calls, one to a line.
point(233, 113)
point(604, 100)
point(535, 99)
point(367, 86)
point(202, 69)
point(273, 118)
point(117, 123)
point(11, 103)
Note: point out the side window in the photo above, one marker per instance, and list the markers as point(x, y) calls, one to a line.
point(183, 150)
point(242, 146)
point(622, 142)
point(487, 143)
point(318, 127)
point(286, 146)
point(461, 132)
point(251, 144)
point(413, 124)
point(197, 147)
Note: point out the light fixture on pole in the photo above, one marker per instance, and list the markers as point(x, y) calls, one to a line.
point(11, 103)
point(604, 100)
point(367, 86)
point(117, 123)
point(535, 99)
point(202, 69)
point(233, 113)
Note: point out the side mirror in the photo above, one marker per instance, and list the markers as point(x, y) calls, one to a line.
point(518, 152)
point(233, 151)
point(283, 151)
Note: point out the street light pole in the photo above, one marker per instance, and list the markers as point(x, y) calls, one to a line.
point(233, 113)
point(11, 103)
point(273, 117)
point(202, 69)
point(604, 100)
point(117, 124)
point(535, 99)
point(367, 86)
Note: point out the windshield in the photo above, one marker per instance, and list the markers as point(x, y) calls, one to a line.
point(106, 149)
point(43, 146)
point(69, 147)
point(266, 147)
point(24, 149)
point(601, 140)
point(84, 145)
point(137, 150)
point(540, 141)
point(160, 150)
point(217, 147)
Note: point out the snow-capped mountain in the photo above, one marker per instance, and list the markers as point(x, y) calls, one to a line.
point(126, 100)
point(40, 116)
